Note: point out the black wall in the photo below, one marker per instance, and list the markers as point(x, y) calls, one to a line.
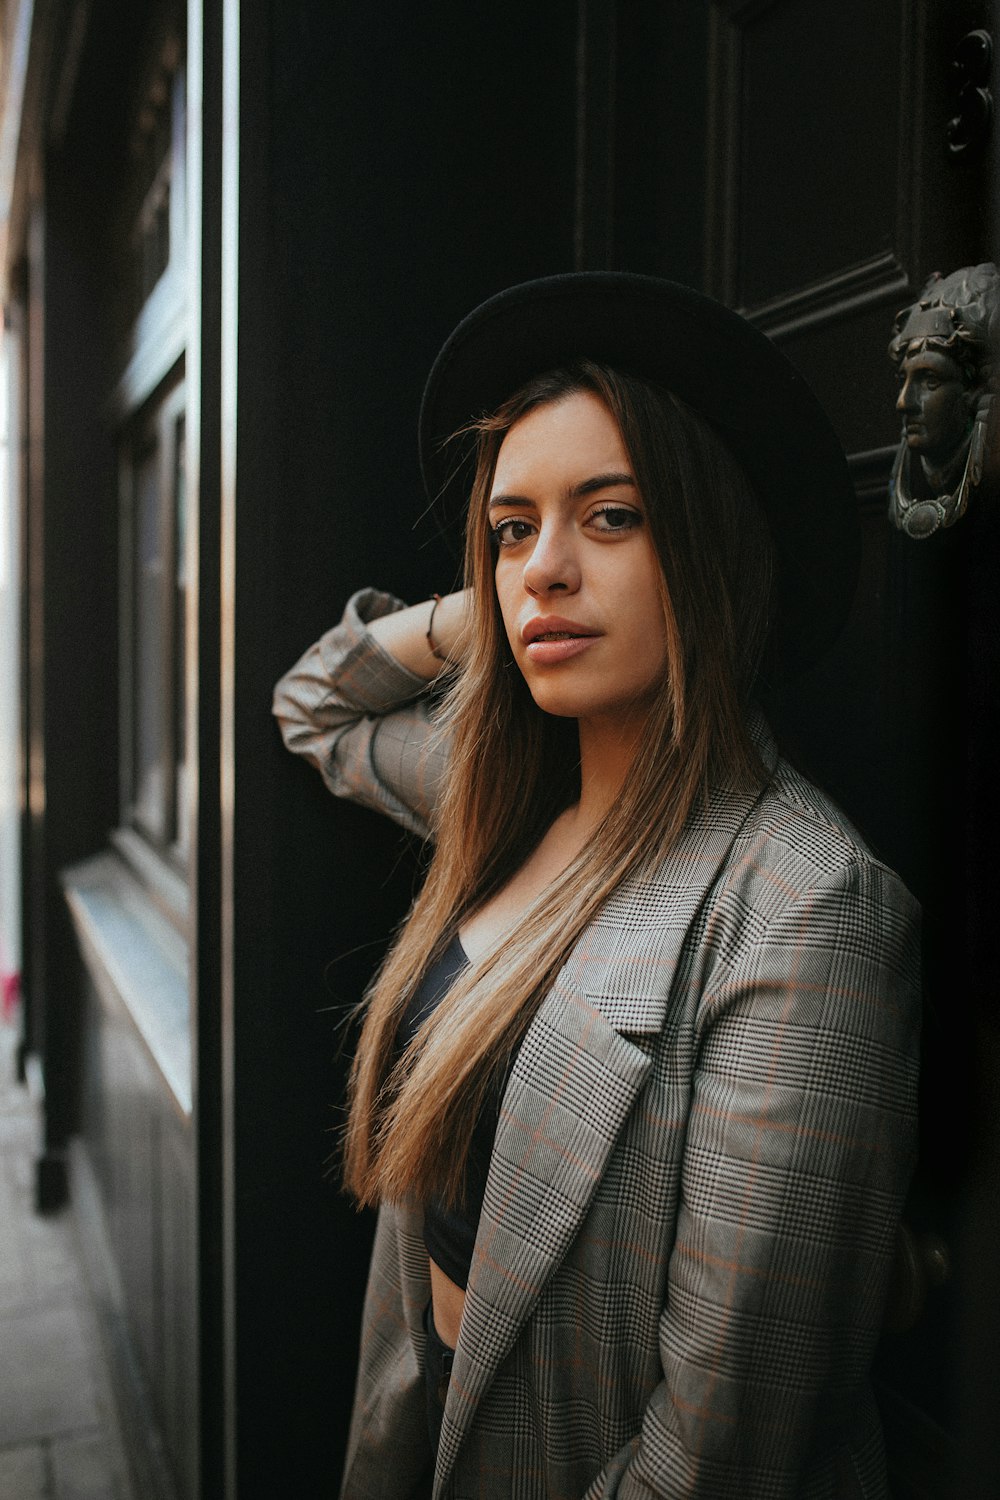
point(398, 164)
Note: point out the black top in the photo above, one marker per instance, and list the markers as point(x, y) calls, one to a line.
point(450, 1234)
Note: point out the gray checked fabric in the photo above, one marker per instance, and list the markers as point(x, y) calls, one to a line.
point(683, 1255)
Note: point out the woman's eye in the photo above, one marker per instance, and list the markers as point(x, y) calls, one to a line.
point(615, 518)
point(508, 533)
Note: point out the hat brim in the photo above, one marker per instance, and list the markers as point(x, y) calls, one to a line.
point(711, 358)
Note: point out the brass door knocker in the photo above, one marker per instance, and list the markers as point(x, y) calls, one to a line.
point(944, 347)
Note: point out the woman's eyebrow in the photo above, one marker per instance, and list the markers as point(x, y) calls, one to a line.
point(601, 482)
point(577, 491)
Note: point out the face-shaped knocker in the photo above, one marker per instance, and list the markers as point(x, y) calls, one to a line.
point(944, 347)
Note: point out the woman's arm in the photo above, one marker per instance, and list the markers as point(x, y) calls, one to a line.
point(799, 1148)
point(404, 634)
point(355, 704)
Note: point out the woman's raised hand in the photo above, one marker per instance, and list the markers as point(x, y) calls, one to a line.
point(405, 634)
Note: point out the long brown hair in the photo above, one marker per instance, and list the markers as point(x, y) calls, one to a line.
point(411, 1116)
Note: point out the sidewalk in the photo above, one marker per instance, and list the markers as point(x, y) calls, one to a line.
point(59, 1437)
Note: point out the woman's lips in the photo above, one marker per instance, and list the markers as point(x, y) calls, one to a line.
point(555, 640)
point(547, 652)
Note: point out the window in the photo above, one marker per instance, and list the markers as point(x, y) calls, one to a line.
point(157, 206)
point(150, 251)
point(154, 623)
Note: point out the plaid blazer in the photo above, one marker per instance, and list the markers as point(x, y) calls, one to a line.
point(683, 1255)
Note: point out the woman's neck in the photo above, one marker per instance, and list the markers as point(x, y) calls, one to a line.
point(608, 749)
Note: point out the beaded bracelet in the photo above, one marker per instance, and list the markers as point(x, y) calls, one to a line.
point(435, 652)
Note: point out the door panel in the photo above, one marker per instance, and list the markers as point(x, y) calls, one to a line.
point(803, 105)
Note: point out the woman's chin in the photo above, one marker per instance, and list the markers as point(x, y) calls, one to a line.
point(560, 704)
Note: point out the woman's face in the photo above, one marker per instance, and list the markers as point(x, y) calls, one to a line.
point(577, 576)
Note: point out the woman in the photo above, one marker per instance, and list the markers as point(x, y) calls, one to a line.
point(635, 1087)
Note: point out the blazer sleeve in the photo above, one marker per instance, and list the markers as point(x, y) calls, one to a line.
point(800, 1147)
point(363, 719)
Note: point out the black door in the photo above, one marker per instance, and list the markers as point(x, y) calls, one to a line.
point(839, 155)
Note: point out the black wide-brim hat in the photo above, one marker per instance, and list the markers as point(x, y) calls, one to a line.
point(711, 358)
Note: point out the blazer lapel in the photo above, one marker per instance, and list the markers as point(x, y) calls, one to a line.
point(572, 1086)
point(576, 1077)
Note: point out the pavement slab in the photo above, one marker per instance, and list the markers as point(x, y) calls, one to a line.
point(24, 1473)
point(87, 1468)
point(46, 1379)
point(60, 1437)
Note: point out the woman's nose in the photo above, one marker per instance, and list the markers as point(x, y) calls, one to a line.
point(905, 401)
point(553, 563)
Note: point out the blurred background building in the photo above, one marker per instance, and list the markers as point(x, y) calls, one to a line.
point(233, 235)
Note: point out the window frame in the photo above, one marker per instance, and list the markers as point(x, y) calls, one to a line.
point(154, 431)
point(149, 406)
